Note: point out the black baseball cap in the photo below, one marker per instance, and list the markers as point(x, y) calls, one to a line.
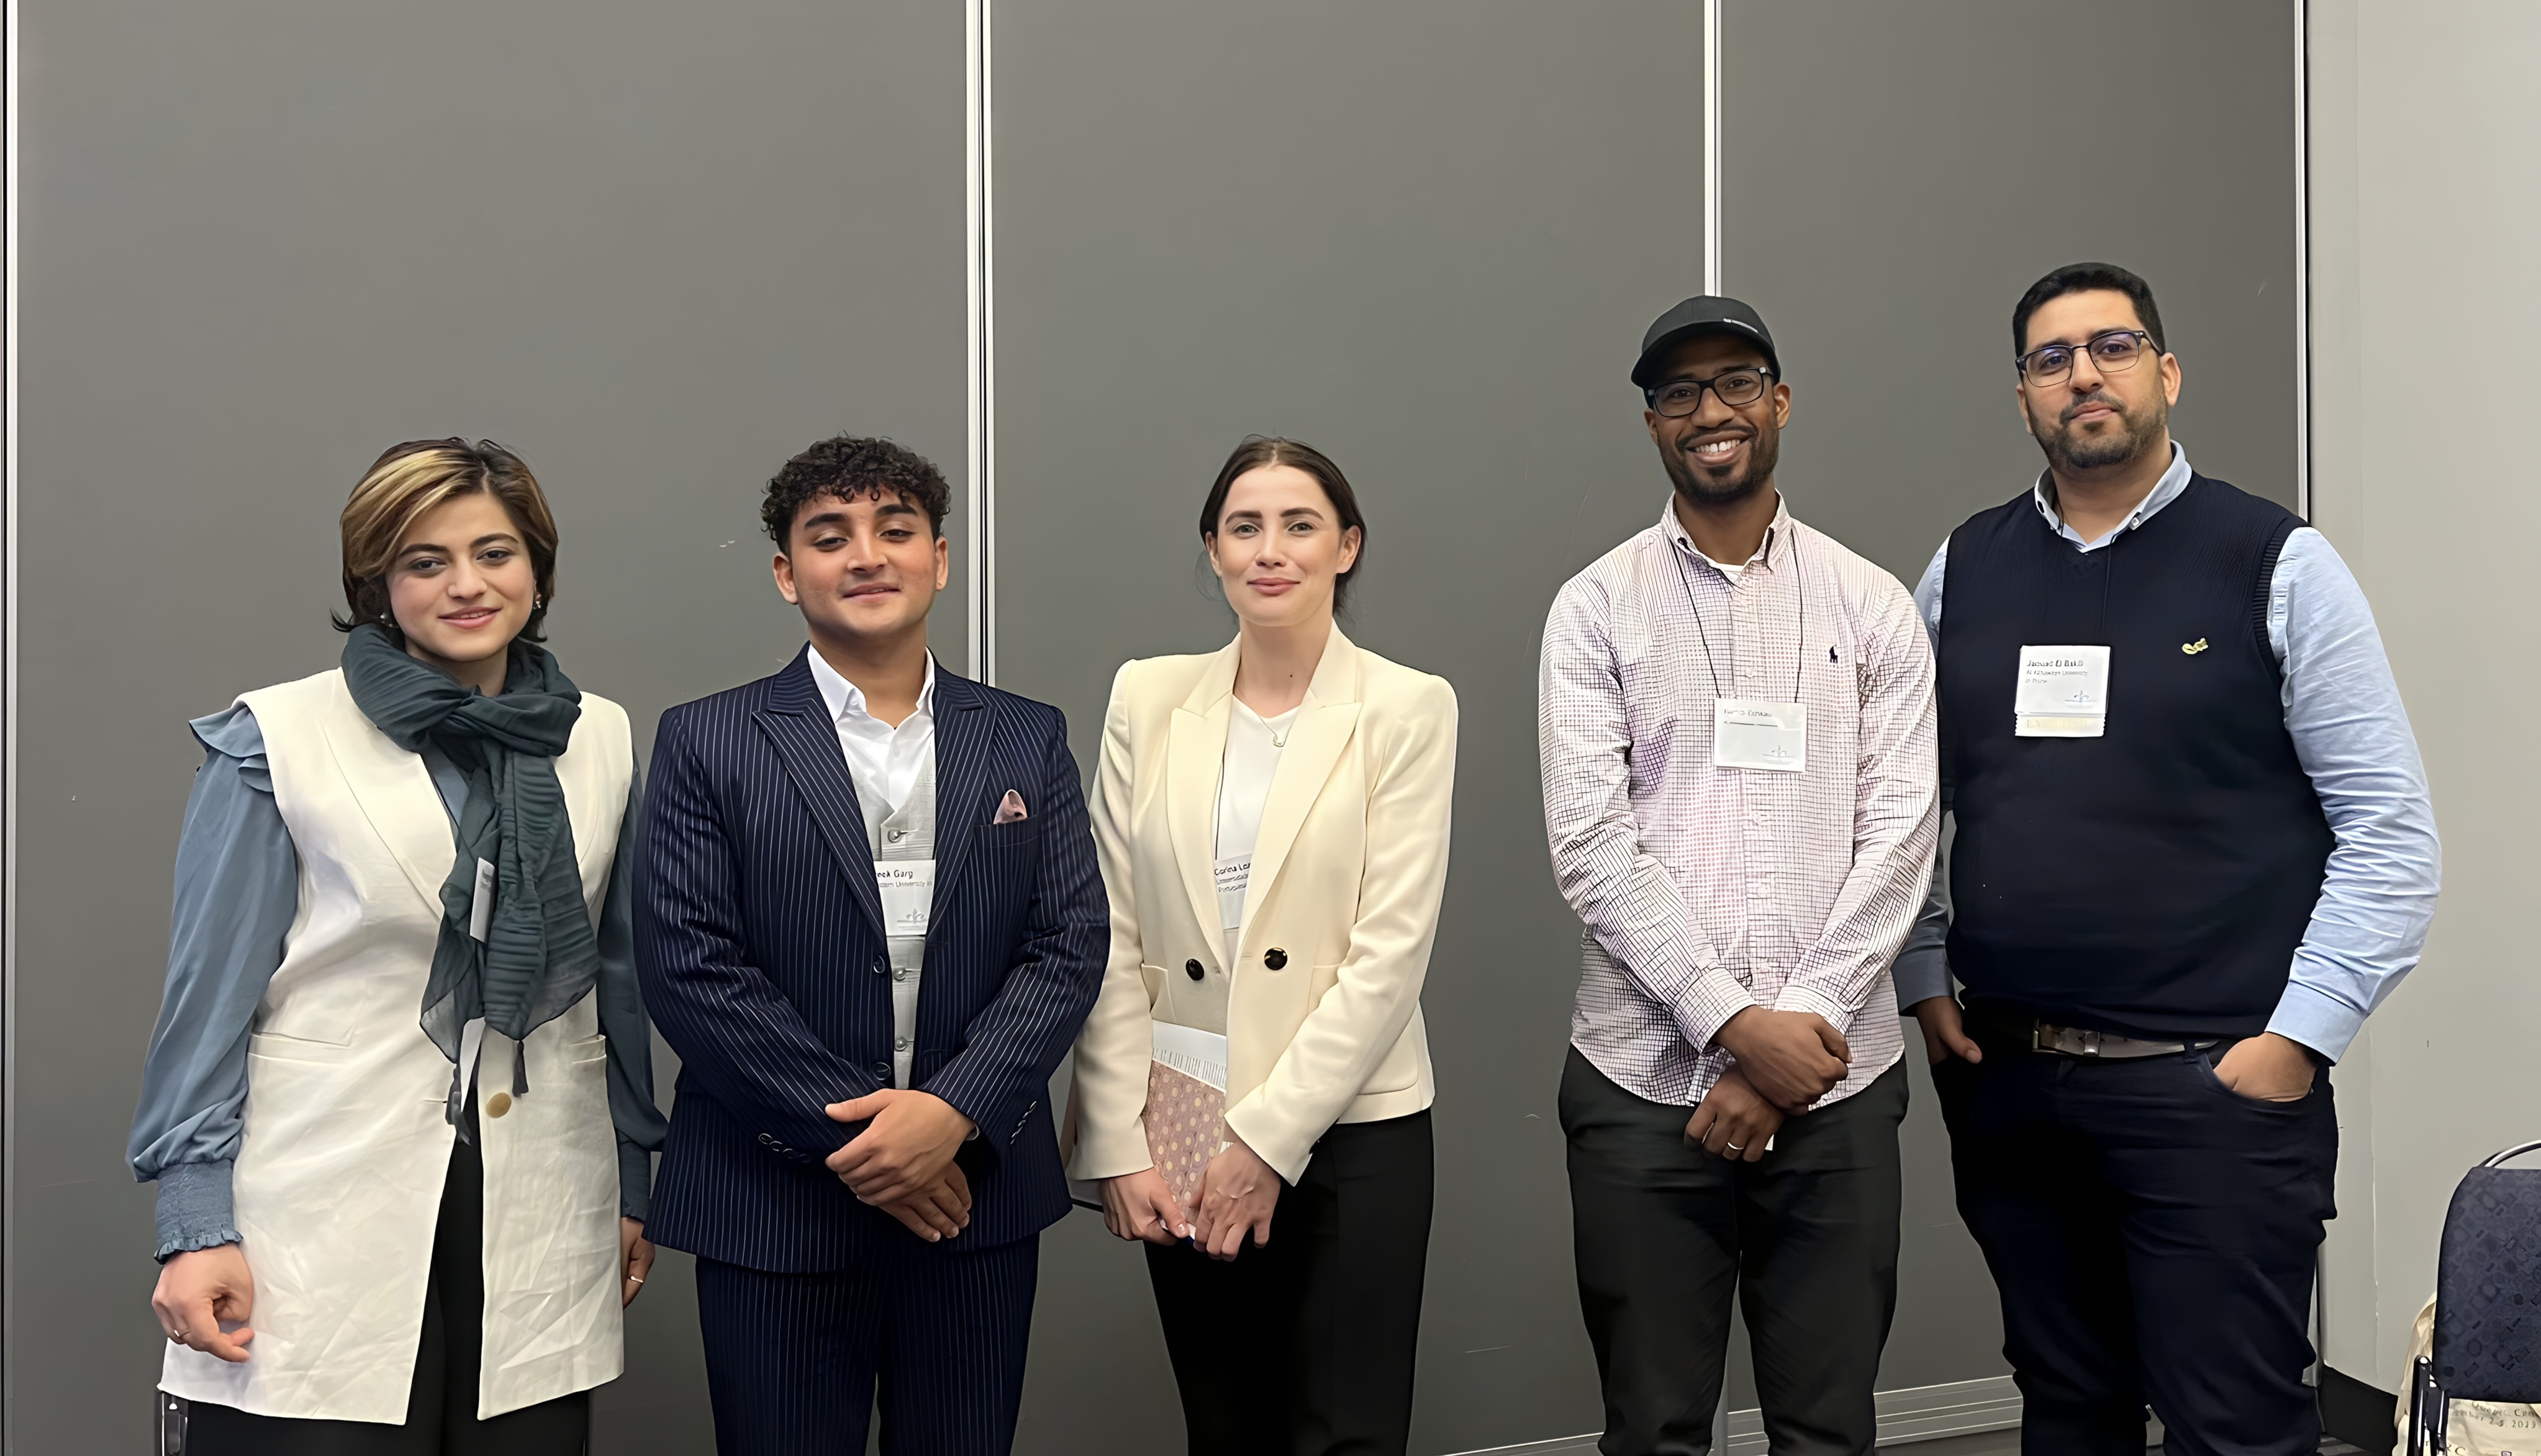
point(1707, 314)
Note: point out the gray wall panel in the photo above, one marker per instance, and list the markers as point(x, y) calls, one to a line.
point(1424, 237)
point(656, 248)
point(1893, 178)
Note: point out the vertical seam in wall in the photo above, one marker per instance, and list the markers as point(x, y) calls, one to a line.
point(9, 803)
point(2303, 259)
point(980, 347)
point(1711, 146)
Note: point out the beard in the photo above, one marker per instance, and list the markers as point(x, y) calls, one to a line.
point(1764, 453)
point(2070, 454)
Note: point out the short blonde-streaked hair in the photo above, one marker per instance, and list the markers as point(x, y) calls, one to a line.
point(412, 478)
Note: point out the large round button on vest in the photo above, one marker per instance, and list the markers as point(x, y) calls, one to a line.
point(498, 1104)
point(1274, 958)
point(1192, 970)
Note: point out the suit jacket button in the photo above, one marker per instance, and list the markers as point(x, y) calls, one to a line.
point(881, 967)
point(882, 1069)
point(1274, 958)
point(1192, 970)
point(767, 1142)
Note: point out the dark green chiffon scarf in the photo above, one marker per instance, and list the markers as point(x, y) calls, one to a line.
point(540, 954)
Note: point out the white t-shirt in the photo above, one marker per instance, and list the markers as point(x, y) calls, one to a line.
point(1253, 745)
point(1725, 568)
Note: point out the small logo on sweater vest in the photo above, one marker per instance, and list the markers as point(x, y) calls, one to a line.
point(2192, 648)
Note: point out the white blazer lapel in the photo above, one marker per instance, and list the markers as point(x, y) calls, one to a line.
point(396, 794)
point(1323, 732)
point(1194, 753)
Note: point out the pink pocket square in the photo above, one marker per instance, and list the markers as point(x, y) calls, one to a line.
point(1010, 809)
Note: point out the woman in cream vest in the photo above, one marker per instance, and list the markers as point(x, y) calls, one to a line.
point(398, 1104)
point(1273, 825)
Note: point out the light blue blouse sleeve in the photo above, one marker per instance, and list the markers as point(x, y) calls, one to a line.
point(237, 889)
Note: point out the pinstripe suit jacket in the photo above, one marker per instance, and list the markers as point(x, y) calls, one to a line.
point(758, 937)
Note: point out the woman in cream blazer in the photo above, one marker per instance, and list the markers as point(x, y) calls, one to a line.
point(398, 1104)
point(1273, 821)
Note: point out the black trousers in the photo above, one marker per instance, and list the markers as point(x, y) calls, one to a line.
point(1665, 1233)
point(793, 1359)
point(441, 1408)
point(2154, 1237)
point(1303, 1347)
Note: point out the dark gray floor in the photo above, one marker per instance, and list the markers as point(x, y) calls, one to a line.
point(2007, 1443)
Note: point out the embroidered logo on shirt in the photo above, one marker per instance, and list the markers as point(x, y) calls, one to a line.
point(2192, 648)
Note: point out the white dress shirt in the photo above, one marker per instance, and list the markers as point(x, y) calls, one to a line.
point(880, 756)
point(886, 764)
point(1252, 760)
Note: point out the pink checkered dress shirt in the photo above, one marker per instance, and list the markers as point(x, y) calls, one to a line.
point(1705, 890)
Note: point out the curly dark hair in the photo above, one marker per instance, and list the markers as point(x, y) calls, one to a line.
point(847, 467)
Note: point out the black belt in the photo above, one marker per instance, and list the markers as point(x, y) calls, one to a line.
point(2079, 1042)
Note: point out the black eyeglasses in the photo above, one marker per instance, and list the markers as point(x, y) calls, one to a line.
point(2110, 352)
point(1679, 398)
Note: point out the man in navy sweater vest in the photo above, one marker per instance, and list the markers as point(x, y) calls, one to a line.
point(2194, 851)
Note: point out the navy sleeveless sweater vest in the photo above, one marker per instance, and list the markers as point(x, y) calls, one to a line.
point(2154, 881)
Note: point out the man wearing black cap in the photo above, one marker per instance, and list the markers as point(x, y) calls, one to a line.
point(2193, 851)
point(1735, 720)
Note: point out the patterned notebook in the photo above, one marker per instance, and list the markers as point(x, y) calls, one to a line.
point(1185, 1105)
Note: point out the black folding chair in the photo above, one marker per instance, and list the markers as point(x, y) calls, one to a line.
point(2487, 1299)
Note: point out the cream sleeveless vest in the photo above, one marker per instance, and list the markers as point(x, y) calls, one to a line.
point(338, 1179)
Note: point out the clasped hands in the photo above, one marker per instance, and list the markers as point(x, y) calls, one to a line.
point(1785, 1060)
point(903, 1161)
point(1238, 1193)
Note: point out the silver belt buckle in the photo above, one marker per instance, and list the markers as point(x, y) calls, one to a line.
point(2071, 1041)
point(2075, 1041)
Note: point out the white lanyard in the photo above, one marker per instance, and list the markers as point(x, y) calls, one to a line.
point(1756, 732)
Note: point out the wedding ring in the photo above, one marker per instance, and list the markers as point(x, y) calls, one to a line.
point(1737, 1149)
point(636, 1279)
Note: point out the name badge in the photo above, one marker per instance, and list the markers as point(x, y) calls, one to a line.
point(2062, 693)
point(1752, 733)
point(481, 912)
point(1234, 874)
point(908, 889)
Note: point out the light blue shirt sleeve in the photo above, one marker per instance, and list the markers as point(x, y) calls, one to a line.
point(2352, 736)
point(1923, 968)
point(238, 887)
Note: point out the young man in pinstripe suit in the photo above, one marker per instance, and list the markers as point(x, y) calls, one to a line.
point(870, 923)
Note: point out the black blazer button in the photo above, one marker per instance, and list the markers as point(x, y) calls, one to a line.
point(1192, 970)
point(1274, 958)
